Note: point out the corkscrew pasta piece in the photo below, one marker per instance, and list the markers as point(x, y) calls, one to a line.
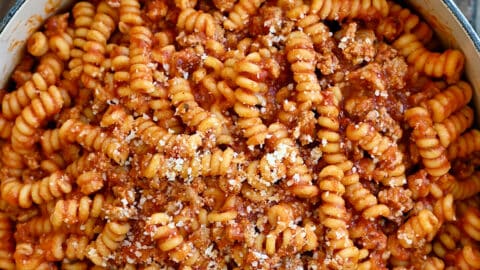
point(33, 116)
point(91, 137)
point(311, 25)
point(298, 238)
point(279, 217)
point(262, 174)
point(86, 162)
point(340, 247)
point(50, 141)
point(120, 63)
point(12, 161)
point(381, 148)
point(36, 226)
point(297, 174)
point(48, 72)
point(432, 152)
point(364, 201)
point(161, 139)
point(469, 258)
point(27, 256)
point(141, 80)
point(91, 181)
point(130, 15)
point(301, 55)
point(432, 263)
point(170, 240)
point(446, 240)
point(95, 47)
point(360, 197)
point(443, 104)
point(208, 163)
point(37, 44)
point(444, 208)
point(77, 210)
point(107, 242)
point(418, 229)
point(448, 64)
point(249, 96)
point(465, 145)
point(461, 189)
point(5, 127)
point(349, 9)
point(165, 115)
point(240, 14)
point(46, 189)
point(7, 245)
point(449, 129)
point(196, 21)
point(83, 13)
point(402, 20)
point(471, 223)
point(76, 247)
point(189, 110)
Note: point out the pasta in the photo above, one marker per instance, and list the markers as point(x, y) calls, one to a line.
point(83, 13)
point(244, 134)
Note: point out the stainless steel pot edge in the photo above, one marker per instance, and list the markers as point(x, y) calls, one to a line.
point(464, 22)
point(7, 16)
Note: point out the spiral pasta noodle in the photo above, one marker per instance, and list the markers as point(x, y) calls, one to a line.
point(443, 104)
point(48, 72)
point(382, 148)
point(28, 257)
point(46, 105)
point(448, 64)
point(402, 20)
point(12, 160)
point(195, 21)
point(447, 239)
point(170, 240)
point(107, 241)
point(449, 129)
point(44, 190)
point(466, 144)
point(189, 110)
point(140, 74)
point(161, 139)
point(279, 216)
point(6, 246)
point(100, 30)
point(36, 226)
point(83, 13)
point(76, 246)
point(214, 163)
point(344, 253)
point(433, 153)
point(249, 95)
point(76, 210)
point(130, 16)
point(298, 176)
point(340, 10)
point(240, 14)
point(92, 137)
point(461, 189)
point(424, 225)
point(60, 40)
point(468, 257)
point(444, 209)
point(301, 55)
